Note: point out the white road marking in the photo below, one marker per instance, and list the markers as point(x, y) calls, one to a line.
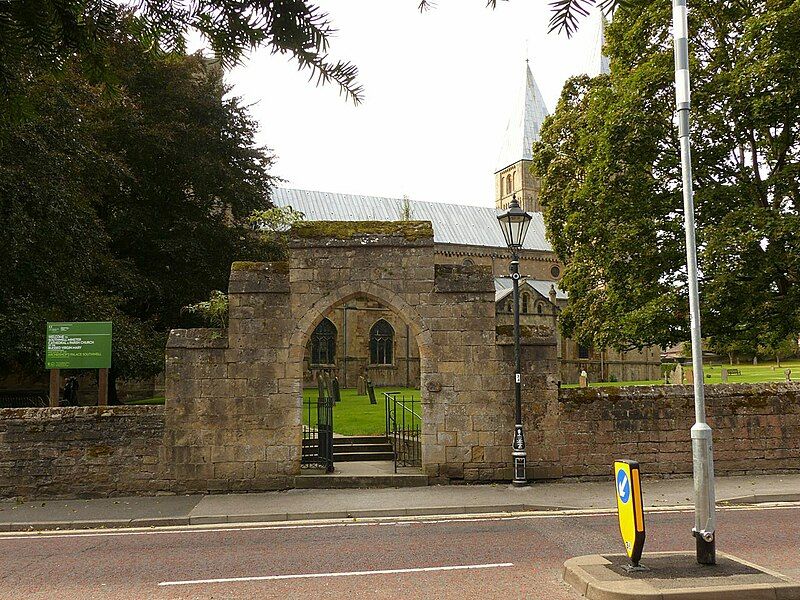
point(339, 574)
point(373, 521)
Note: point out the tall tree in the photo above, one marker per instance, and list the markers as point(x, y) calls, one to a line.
point(609, 158)
point(124, 206)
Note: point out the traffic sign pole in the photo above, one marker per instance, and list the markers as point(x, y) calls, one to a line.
point(702, 452)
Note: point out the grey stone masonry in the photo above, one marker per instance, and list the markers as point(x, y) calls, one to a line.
point(86, 451)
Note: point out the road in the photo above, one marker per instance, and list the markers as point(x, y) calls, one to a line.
point(448, 558)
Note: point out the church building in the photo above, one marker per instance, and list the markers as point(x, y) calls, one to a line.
point(362, 337)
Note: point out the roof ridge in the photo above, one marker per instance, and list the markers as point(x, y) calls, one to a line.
point(410, 200)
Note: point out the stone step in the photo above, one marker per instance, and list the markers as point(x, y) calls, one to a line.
point(359, 439)
point(363, 448)
point(339, 456)
point(334, 481)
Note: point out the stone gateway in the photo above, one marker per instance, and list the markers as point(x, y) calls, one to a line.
point(234, 398)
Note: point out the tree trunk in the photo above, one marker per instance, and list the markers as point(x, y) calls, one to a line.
point(113, 399)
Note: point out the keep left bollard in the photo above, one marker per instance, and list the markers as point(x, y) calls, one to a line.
point(630, 510)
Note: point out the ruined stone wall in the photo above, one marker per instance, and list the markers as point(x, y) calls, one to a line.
point(81, 451)
point(756, 428)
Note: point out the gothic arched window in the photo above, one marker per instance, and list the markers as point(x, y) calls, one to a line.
point(540, 308)
point(323, 344)
point(381, 344)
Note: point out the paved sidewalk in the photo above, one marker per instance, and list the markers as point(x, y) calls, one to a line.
point(362, 503)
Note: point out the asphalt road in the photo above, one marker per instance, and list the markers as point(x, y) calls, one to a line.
point(454, 558)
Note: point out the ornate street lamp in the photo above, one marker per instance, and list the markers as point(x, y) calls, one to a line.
point(514, 222)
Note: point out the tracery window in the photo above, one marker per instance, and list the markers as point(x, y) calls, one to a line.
point(381, 343)
point(323, 343)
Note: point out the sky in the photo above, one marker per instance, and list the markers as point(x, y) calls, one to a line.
point(438, 86)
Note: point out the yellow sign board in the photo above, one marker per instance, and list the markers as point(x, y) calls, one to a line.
point(629, 507)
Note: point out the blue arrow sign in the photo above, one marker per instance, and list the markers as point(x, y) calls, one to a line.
point(623, 486)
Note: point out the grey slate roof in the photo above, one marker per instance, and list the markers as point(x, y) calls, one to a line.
point(452, 223)
point(503, 286)
point(524, 124)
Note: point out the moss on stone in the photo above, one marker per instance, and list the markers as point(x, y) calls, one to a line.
point(244, 265)
point(410, 230)
point(278, 266)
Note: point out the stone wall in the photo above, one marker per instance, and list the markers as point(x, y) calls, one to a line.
point(756, 429)
point(81, 451)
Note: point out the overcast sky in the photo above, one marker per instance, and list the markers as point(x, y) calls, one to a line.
point(438, 89)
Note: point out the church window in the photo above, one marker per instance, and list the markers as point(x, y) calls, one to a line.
point(525, 300)
point(555, 271)
point(583, 351)
point(539, 308)
point(508, 184)
point(467, 262)
point(381, 343)
point(323, 343)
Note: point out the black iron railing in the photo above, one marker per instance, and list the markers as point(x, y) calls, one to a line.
point(318, 433)
point(403, 426)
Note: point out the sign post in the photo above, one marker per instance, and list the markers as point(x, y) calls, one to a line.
point(78, 346)
point(630, 510)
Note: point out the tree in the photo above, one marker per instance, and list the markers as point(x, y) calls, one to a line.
point(609, 159)
point(124, 207)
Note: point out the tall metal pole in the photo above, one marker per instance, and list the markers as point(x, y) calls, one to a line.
point(518, 448)
point(702, 451)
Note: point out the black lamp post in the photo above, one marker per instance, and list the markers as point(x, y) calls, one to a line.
point(514, 222)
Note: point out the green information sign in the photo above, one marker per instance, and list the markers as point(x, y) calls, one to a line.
point(78, 346)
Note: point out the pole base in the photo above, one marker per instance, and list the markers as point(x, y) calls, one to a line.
point(706, 551)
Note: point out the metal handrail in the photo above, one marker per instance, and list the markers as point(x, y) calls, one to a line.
point(404, 431)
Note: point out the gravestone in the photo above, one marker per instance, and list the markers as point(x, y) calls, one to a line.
point(788, 373)
point(321, 385)
point(676, 378)
point(335, 386)
point(584, 380)
point(371, 392)
point(362, 386)
point(690, 377)
point(328, 386)
point(724, 375)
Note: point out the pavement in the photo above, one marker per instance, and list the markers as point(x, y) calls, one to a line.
point(675, 575)
point(305, 504)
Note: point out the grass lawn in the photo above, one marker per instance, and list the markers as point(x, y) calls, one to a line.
point(762, 373)
point(354, 415)
point(154, 400)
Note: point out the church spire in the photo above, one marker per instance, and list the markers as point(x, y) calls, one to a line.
point(597, 61)
point(513, 176)
point(524, 123)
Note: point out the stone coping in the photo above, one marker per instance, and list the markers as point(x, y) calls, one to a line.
point(68, 412)
point(675, 575)
point(641, 392)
